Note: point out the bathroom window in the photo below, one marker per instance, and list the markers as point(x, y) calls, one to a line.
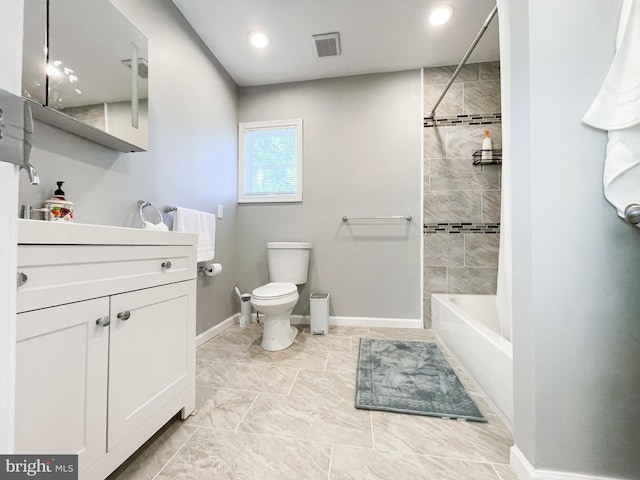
point(270, 161)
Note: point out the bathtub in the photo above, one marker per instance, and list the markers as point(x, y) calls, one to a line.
point(468, 327)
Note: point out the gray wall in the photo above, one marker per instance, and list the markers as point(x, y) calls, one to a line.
point(456, 191)
point(191, 160)
point(576, 264)
point(362, 151)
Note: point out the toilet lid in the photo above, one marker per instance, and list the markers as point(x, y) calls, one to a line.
point(274, 290)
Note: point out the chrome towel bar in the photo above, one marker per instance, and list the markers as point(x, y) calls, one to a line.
point(408, 218)
point(169, 209)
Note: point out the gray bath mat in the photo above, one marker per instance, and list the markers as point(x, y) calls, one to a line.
point(410, 377)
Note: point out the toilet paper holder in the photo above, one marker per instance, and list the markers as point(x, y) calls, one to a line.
point(209, 269)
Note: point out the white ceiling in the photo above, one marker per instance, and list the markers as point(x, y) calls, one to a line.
point(376, 36)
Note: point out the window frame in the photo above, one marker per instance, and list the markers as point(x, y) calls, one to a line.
point(271, 124)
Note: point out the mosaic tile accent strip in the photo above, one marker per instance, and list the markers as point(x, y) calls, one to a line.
point(461, 227)
point(469, 119)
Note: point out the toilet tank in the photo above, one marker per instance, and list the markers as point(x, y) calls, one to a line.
point(288, 261)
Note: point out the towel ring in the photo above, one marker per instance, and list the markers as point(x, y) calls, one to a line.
point(144, 204)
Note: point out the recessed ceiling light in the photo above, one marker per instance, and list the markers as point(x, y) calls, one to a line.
point(441, 15)
point(258, 39)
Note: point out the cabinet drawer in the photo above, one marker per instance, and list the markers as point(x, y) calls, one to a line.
point(58, 274)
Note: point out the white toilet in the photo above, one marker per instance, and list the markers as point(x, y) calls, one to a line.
point(288, 267)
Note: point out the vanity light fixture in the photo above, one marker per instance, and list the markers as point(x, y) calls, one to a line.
point(258, 39)
point(441, 15)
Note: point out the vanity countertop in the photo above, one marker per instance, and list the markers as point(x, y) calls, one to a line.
point(40, 232)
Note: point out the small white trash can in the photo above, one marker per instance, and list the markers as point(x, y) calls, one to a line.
point(319, 313)
point(245, 309)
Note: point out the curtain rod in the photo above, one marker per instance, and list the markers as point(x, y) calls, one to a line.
point(464, 60)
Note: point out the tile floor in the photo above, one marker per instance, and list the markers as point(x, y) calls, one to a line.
point(290, 415)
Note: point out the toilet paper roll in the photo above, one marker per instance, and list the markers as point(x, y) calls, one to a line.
point(212, 269)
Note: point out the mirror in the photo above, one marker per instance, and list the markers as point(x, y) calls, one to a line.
point(96, 72)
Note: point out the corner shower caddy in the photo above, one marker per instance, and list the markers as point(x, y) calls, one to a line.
point(495, 157)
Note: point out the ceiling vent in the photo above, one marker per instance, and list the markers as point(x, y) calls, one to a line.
point(326, 44)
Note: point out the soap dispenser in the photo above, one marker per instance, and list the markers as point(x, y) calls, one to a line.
point(58, 208)
point(487, 153)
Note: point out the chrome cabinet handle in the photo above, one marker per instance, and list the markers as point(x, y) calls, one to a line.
point(124, 315)
point(104, 321)
point(166, 265)
point(22, 279)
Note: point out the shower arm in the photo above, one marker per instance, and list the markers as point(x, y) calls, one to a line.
point(432, 113)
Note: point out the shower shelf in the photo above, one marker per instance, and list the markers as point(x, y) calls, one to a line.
point(495, 157)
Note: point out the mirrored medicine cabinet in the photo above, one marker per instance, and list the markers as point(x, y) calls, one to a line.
point(86, 70)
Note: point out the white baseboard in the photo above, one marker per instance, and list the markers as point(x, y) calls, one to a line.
point(525, 471)
point(363, 321)
point(216, 330)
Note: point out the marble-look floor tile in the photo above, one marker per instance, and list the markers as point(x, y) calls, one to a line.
point(343, 361)
point(221, 352)
point(409, 334)
point(473, 441)
point(325, 384)
point(327, 420)
point(201, 365)
point(320, 343)
point(213, 454)
point(239, 336)
point(296, 356)
point(253, 378)
point(154, 454)
point(505, 472)
point(349, 463)
point(340, 330)
point(220, 408)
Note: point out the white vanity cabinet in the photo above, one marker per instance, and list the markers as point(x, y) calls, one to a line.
point(105, 339)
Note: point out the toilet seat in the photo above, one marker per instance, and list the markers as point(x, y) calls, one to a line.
point(274, 291)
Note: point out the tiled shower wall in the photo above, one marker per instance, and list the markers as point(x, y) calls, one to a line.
point(461, 201)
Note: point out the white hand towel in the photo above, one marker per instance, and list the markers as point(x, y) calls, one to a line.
point(616, 108)
point(617, 105)
point(155, 226)
point(202, 223)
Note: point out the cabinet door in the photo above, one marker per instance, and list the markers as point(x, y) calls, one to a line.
point(151, 353)
point(61, 381)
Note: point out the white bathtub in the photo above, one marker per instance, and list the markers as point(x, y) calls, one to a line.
point(468, 326)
